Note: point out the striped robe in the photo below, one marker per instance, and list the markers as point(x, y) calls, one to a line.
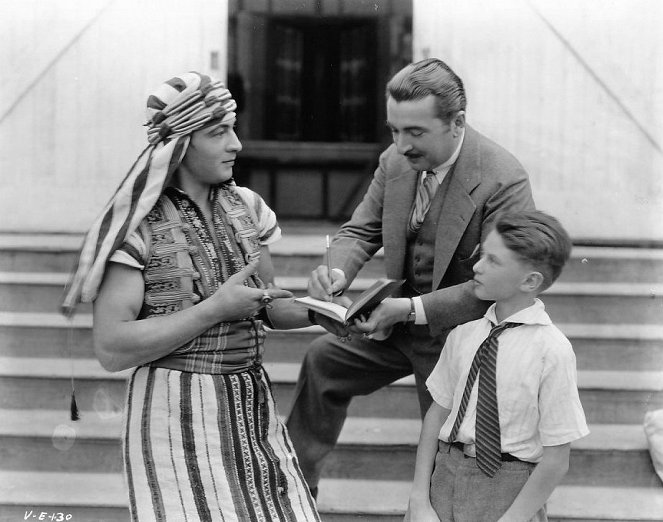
point(201, 444)
point(203, 447)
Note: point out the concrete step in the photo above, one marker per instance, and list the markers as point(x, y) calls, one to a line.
point(597, 346)
point(298, 255)
point(368, 448)
point(632, 303)
point(301, 250)
point(608, 397)
point(101, 496)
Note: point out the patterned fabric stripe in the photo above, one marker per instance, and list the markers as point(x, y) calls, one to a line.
point(145, 502)
point(137, 189)
point(300, 502)
point(153, 102)
point(184, 493)
point(177, 84)
point(226, 424)
point(212, 477)
point(125, 447)
point(122, 215)
point(146, 427)
point(243, 485)
point(189, 443)
point(278, 438)
point(212, 428)
point(231, 207)
point(276, 445)
point(98, 231)
point(267, 477)
point(199, 101)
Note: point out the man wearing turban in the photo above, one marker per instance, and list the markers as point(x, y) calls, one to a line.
point(178, 268)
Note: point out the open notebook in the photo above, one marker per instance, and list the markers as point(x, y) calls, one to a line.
point(363, 305)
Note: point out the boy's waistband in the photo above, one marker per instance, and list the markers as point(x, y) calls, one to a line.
point(470, 451)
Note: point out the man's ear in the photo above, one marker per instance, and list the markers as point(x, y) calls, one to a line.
point(458, 120)
point(532, 282)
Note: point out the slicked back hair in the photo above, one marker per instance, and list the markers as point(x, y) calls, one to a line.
point(538, 239)
point(429, 77)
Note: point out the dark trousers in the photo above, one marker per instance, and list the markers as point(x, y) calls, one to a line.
point(333, 372)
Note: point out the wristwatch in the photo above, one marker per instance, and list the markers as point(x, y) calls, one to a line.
point(412, 314)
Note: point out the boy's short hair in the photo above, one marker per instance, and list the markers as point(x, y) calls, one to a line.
point(537, 238)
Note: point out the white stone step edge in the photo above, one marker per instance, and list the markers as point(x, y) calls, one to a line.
point(89, 368)
point(575, 330)
point(107, 425)
point(293, 243)
point(77, 490)
point(298, 284)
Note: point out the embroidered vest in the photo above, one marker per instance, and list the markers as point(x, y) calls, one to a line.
point(169, 271)
point(187, 263)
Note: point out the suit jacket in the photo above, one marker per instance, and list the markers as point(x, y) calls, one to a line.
point(486, 180)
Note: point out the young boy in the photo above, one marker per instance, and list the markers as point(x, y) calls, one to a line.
point(475, 461)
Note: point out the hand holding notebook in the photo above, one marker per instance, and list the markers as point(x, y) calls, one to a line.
point(363, 305)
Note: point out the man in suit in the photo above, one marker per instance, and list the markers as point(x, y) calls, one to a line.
point(432, 199)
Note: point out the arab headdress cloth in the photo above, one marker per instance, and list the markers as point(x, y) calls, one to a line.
point(177, 108)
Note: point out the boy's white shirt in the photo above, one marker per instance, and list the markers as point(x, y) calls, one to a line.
point(537, 390)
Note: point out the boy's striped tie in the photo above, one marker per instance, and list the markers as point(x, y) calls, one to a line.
point(425, 193)
point(487, 434)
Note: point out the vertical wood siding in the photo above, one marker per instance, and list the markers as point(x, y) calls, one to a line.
point(575, 91)
point(72, 111)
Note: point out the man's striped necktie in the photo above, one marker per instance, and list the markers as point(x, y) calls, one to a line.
point(487, 431)
point(425, 193)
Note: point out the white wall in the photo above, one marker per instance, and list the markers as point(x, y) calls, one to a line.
point(72, 101)
point(574, 88)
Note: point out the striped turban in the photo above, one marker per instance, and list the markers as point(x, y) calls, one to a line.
point(177, 108)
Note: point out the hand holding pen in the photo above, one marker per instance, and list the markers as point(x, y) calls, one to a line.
point(325, 282)
point(329, 267)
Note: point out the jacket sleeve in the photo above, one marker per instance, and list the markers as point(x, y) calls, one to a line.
point(448, 307)
point(360, 238)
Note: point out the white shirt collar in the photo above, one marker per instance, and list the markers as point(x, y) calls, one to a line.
point(442, 170)
point(535, 314)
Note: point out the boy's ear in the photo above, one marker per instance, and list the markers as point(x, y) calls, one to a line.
point(532, 282)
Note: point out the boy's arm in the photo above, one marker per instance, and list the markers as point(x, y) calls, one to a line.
point(419, 506)
point(541, 483)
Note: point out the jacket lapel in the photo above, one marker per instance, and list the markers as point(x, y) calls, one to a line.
point(458, 206)
point(399, 196)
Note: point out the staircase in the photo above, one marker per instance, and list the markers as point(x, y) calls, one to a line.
point(609, 302)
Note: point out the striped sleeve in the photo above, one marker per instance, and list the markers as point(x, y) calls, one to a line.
point(133, 251)
point(269, 230)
